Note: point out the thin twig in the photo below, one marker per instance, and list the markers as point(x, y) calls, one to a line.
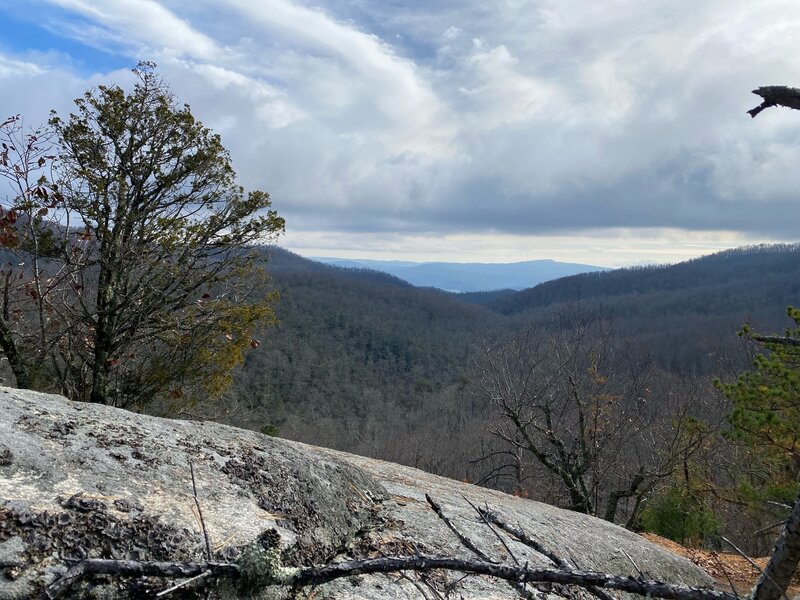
point(524, 589)
point(402, 575)
point(594, 591)
point(574, 560)
point(755, 565)
point(451, 587)
point(200, 514)
point(183, 583)
point(420, 589)
point(429, 584)
point(518, 586)
point(465, 541)
point(725, 571)
point(769, 527)
point(492, 529)
point(635, 566)
point(525, 539)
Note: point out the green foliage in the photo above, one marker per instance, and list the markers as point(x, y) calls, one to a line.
point(766, 400)
point(777, 491)
point(270, 430)
point(151, 289)
point(679, 515)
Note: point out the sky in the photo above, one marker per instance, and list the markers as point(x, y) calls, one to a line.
point(608, 132)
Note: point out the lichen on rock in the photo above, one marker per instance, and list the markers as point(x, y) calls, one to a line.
point(93, 481)
point(260, 563)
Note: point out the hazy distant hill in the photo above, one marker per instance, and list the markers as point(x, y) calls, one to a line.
point(470, 277)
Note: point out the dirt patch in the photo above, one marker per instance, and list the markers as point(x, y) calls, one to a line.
point(722, 566)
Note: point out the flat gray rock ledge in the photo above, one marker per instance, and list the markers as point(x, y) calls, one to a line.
point(80, 480)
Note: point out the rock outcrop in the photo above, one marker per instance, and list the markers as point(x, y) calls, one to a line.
point(79, 480)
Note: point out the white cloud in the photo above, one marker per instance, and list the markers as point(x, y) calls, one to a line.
point(502, 94)
point(513, 118)
point(152, 25)
point(10, 67)
point(349, 68)
point(270, 104)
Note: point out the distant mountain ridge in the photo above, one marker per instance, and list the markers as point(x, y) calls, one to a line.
point(716, 281)
point(469, 277)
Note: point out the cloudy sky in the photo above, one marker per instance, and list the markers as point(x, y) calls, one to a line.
point(603, 131)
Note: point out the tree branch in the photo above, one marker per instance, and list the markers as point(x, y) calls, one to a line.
point(392, 564)
point(777, 339)
point(583, 579)
point(524, 538)
point(134, 568)
point(465, 541)
point(776, 95)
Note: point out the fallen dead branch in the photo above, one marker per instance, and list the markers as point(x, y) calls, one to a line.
point(392, 564)
point(260, 566)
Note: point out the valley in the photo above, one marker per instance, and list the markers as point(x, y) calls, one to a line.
point(364, 362)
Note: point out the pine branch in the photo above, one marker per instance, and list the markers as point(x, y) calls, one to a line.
point(777, 339)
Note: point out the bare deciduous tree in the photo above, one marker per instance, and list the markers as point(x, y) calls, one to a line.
point(574, 400)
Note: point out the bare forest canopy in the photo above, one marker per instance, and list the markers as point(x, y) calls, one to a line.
point(363, 362)
point(353, 343)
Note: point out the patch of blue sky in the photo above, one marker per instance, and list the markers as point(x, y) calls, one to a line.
point(60, 38)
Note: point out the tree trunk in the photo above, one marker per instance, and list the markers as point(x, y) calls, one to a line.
point(104, 324)
point(783, 563)
point(613, 499)
point(9, 348)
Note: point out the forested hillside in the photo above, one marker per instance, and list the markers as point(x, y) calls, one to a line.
point(685, 314)
point(358, 354)
point(365, 362)
point(721, 281)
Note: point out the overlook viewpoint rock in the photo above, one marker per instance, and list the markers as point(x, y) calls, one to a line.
point(83, 480)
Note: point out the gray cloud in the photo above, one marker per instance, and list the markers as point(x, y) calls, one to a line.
point(525, 117)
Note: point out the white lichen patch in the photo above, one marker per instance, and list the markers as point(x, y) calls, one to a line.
point(26, 485)
point(262, 567)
